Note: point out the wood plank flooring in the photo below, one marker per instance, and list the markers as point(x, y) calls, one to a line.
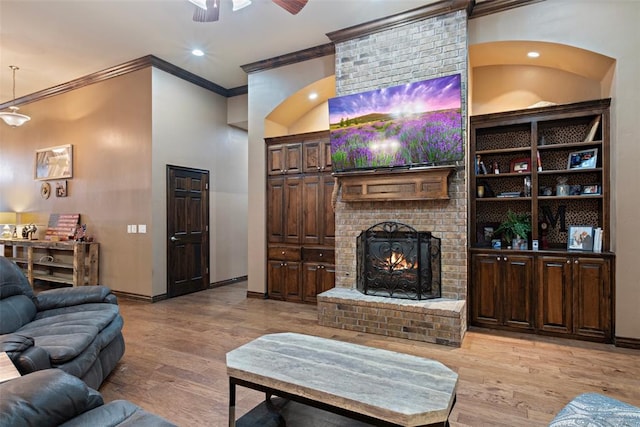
point(174, 364)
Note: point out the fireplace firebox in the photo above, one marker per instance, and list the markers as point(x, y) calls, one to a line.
point(397, 261)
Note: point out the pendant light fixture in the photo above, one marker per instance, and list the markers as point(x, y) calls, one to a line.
point(13, 118)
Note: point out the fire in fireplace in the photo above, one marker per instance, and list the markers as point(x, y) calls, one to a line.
point(397, 261)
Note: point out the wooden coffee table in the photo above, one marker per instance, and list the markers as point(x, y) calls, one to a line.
point(8, 371)
point(376, 386)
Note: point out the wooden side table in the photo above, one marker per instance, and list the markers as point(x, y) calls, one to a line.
point(8, 371)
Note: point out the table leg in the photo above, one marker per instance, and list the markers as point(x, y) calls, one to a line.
point(232, 403)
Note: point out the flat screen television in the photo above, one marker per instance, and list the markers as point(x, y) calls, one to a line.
point(411, 125)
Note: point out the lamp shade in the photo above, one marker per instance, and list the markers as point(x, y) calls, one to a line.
point(8, 218)
point(13, 118)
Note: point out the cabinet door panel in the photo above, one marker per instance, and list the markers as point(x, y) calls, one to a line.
point(484, 290)
point(275, 213)
point(312, 210)
point(293, 158)
point(325, 146)
point(311, 157)
point(328, 278)
point(518, 282)
point(275, 160)
point(591, 297)
point(292, 209)
point(310, 279)
point(293, 281)
point(275, 279)
point(554, 294)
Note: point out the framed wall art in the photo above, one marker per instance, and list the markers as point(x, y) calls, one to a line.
point(54, 163)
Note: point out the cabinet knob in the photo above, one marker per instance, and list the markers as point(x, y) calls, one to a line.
point(575, 262)
point(505, 258)
point(318, 167)
point(499, 258)
point(282, 252)
point(285, 171)
point(321, 254)
point(568, 261)
point(285, 264)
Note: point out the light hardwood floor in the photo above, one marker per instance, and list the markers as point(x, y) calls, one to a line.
point(174, 364)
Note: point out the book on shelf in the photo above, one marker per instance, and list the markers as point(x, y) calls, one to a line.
point(597, 240)
point(510, 194)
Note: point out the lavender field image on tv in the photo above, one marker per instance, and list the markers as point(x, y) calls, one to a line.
point(409, 125)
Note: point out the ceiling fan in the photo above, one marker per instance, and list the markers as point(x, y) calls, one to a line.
point(209, 10)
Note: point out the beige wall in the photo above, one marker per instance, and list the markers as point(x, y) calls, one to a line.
point(608, 28)
point(111, 180)
point(511, 87)
point(190, 129)
point(267, 90)
point(124, 132)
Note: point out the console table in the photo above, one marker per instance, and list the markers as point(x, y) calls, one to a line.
point(377, 386)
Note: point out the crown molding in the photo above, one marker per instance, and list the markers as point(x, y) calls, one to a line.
point(403, 18)
point(290, 58)
point(126, 68)
point(494, 6)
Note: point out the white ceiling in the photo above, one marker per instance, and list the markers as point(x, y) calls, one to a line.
point(56, 41)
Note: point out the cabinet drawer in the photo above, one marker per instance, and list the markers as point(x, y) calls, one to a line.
point(319, 255)
point(284, 253)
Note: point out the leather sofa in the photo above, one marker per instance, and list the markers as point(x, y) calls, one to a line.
point(78, 330)
point(52, 397)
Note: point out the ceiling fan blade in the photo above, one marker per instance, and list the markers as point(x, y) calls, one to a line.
point(210, 14)
point(291, 6)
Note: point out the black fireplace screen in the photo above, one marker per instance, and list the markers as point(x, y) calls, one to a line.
point(395, 260)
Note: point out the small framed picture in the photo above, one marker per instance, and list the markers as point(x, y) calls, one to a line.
point(484, 233)
point(585, 159)
point(521, 165)
point(591, 189)
point(61, 188)
point(580, 238)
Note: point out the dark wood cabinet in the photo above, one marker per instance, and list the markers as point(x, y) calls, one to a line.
point(575, 296)
point(502, 286)
point(517, 161)
point(300, 217)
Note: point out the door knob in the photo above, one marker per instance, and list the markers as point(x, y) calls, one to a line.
point(174, 239)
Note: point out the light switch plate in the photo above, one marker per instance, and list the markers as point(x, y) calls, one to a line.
point(142, 228)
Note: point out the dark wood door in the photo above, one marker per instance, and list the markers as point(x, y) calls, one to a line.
point(518, 285)
point(276, 279)
point(317, 278)
point(592, 300)
point(187, 230)
point(485, 287)
point(555, 294)
point(328, 219)
point(293, 281)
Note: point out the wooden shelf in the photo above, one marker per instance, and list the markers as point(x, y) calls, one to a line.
point(66, 262)
point(571, 171)
point(564, 146)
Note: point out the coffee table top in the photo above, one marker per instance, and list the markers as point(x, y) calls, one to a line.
point(395, 387)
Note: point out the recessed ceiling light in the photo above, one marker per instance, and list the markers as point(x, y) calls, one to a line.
point(533, 54)
point(313, 96)
point(197, 52)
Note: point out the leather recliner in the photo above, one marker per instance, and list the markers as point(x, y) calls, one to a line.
point(54, 398)
point(78, 330)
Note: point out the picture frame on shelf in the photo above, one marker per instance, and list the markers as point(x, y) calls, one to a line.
point(580, 237)
point(592, 189)
point(484, 233)
point(584, 159)
point(54, 163)
point(520, 165)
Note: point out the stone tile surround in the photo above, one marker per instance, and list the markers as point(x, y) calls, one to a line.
point(437, 321)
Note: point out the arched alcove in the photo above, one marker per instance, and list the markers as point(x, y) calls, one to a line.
point(503, 77)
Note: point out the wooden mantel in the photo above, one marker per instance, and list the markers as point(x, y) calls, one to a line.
point(429, 183)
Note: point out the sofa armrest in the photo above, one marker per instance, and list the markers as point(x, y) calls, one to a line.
point(23, 354)
point(45, 398)
point(66, 297)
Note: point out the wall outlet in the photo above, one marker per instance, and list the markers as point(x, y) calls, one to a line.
point(134, 228)
point(142, 228)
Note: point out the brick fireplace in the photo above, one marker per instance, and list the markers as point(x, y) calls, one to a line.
point(421, 48)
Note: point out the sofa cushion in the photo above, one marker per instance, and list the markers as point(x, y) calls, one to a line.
point(13, 281)
point(15, 312)
point(66, 332)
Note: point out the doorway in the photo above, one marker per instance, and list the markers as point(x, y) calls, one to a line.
point(187, 230)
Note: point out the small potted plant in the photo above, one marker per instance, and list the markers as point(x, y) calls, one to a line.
point(515, 229)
